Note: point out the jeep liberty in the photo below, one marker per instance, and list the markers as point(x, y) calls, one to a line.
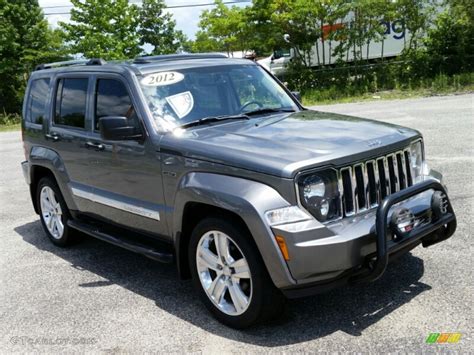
point(211, 163)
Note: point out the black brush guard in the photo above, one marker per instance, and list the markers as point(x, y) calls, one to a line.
point(432, 233)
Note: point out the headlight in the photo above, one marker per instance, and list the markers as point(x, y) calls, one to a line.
point(417, 161)
point(319, 195)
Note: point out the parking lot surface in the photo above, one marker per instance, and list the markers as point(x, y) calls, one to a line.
point(96, 297)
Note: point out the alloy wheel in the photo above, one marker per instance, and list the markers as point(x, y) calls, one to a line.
point(51, 212)
point(224, 273)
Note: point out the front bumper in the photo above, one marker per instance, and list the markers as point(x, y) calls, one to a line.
point(326, 256)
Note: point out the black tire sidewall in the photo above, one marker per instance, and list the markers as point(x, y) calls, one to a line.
point(260, 279)
point(66, 238)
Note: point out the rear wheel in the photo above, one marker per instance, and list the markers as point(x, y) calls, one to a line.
point(53, 212)
point(229, 274)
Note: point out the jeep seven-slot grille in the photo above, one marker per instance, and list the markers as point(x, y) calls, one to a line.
point(365, 185)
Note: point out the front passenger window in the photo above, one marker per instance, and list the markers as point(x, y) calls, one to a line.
point(112, 99)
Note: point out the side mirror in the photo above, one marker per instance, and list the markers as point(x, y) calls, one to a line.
point(296, 95)
point(116, 128)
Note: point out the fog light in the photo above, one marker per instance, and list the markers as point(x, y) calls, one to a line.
point(403, 222)
point(439, 204)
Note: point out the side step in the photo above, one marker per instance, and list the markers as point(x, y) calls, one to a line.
point(140, 248)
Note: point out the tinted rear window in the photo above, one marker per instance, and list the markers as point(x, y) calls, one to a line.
point(71, 97)
point(36, 109)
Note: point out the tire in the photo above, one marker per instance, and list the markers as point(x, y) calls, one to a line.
point(228, 279)
point(54, 213)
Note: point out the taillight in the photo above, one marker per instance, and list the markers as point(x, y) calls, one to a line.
point(25, 148)
point(25, 151)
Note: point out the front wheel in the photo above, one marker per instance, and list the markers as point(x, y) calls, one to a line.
point(54, 213)
point(230, 276)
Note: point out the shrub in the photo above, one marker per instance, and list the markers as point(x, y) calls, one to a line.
point(9, 119)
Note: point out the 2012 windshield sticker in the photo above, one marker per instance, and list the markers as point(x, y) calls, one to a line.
point(162, 79)
point(182, 103)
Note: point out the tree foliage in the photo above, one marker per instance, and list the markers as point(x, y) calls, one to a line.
point(158, 28)
point(116, 29)
point(25, 41)
point(223, 29)
point(438, 42)
point(103, 29)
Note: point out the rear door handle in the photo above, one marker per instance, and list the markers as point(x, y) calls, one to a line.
point(95, 145)
point(54, 137)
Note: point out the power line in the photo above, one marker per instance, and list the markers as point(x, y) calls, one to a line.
point(166, 7)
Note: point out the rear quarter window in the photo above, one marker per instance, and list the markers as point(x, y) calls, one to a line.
point(37, 101)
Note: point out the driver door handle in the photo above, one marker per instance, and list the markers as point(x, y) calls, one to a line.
point(95, 145)
point(54, 137)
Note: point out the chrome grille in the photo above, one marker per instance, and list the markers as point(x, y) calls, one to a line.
point(364, 185)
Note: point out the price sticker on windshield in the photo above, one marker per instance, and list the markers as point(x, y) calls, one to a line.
point(162, 79)
point(182, 103)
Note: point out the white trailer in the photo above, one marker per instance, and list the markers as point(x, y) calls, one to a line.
point(396, 37)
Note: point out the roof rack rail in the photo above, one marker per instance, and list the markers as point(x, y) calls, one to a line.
point(170, 57)
point(96, 61)
point(68, 63)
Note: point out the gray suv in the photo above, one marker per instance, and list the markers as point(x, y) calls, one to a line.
point(211, 163)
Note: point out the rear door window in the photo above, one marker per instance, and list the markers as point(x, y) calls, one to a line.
point(112, 99)
point(71, 99)
point(36, 112)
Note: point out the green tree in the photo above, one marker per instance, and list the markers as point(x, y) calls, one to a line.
point(265, 34)
point(103, 28)
point(157, 28)
point(331, 12)
point(449, 45)
point(205, 43)
point(25, 41)
point(417, 16)
point(298, 18)
point(223, 29)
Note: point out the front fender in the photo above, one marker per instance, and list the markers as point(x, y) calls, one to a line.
point(248, 199)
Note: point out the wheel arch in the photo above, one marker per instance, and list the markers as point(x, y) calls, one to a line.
point(193, 213)
point(244, 201)
point(37, 173)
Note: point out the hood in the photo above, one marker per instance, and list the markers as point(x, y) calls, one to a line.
point(285, 144)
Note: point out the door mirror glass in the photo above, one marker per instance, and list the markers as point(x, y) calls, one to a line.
point(118, 128)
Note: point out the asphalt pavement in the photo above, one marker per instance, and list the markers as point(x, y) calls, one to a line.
point(96, 297)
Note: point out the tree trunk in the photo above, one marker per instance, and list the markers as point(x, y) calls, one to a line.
point(367, 52)
point(383, 45)
point(330, 51)
point(322, 41)
point(317, 53)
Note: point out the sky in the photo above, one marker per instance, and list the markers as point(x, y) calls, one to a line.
point(187, 19)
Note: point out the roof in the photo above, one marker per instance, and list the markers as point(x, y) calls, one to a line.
point(143, 65)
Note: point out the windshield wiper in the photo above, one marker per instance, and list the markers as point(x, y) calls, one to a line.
point(262, 111)
point(213, 119)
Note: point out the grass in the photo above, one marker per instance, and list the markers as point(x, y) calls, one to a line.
point(441, 85)
point(398, 94)
point(10, 127)
point(9, 122)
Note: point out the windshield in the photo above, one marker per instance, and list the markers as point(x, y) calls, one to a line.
point(181, 96)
